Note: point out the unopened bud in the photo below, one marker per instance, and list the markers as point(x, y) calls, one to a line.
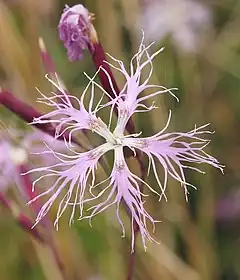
point(46, 58)
point(76, 31)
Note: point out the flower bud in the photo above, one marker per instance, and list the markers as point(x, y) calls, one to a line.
point(76, 31)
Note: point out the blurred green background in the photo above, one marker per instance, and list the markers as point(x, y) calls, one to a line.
point(199, 239)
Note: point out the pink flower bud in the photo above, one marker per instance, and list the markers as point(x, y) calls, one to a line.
point(75, 30)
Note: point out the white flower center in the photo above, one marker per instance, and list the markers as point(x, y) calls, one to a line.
point(118, 141)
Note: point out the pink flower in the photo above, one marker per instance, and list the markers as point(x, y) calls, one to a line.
point(75, 31)
point(10, 157)
point(22, 151)
point(75, 174)
point(186, 21)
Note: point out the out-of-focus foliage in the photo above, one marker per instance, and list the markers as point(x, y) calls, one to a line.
point(199, 239)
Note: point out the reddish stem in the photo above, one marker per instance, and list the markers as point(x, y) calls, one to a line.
point(28, 114)
point(36, 206)
point(24, 222)
point(99, 59)
point(27, 188)
point(131, 266)
point(132, 255)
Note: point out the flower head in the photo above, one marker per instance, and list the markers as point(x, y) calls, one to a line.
point(10, 157)
point(75, 174)
point(76, 31)
point(184, 20)
point(20, 152)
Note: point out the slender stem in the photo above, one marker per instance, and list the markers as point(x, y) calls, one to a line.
point(24, 222)
point(27, 187)
point(133, 254)
point(135, 225)
point(131, 265)
point(28, 114)
point(36, 206)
